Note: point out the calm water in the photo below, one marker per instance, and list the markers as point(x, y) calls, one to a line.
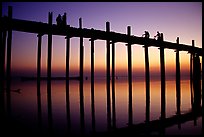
point(46, 115)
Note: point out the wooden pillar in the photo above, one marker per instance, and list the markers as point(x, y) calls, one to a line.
point(191, 72)
point(108, 51)
point(81, 51)
point(178, 91)
point(81, 81)
point(129, 58)
point(2, 68)
point(1, 48)
point(49, 46)
point(147, 83)
point(129, 77)
point(197, 82)
point(162, 67)
point(8, 67)
point(67, 83)
point(178, 79)
point(92, 85)
point(108, 77)
point(92, 60)
point(113, 85)
point(39, 57)
point(9, 43)
point(49, 98)
point(3, 53)
point(38, 82)
point(67, 56)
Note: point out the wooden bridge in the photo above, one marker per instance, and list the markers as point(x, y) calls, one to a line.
point(8, 24)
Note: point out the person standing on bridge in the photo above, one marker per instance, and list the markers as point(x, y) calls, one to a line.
point(59, 20)
point(64, 19)
point(146, 34)
point(158, 36)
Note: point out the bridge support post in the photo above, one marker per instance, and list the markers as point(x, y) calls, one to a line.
point(178, 91)
point(67, 82)
point(49, 98)
point(163, 96)
point(147, 83)
point(92, 60)
point(130, 121)
point(108, 76)
point(49, 46)
point(81, 51)
point(197, 82)
point(9, 43)
point(3, 50)
point(92, 84)
point(67, 56)
point(2, 69)
point(162, 67)
point(8, 67)
point(108, 51)
point(113, 84)
point(191, 72)
point(39, 57)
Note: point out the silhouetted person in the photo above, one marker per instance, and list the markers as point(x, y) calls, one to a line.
point(146, 34)
point(158, 36)
point(64, 19)
point(59, 20)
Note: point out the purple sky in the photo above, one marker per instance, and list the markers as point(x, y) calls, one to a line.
point(176, 19)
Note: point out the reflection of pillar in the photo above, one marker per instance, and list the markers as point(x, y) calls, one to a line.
point(113, 84)
point(147, 84)
point(49, 106)
point(92, 85)
point(108, 78)
point(81, 106)
point(129, 77)
point(178, 92)
point(49, 46)
point(39, 106)
point(81, 51)
point(39, 57)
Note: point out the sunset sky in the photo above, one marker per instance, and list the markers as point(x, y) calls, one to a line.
point(173, 19)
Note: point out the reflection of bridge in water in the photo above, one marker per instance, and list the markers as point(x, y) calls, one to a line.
point(8, 24)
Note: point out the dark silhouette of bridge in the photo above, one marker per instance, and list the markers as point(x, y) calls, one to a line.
point(9, 24)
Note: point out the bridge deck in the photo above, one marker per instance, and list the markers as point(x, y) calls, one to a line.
point(45, 28)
